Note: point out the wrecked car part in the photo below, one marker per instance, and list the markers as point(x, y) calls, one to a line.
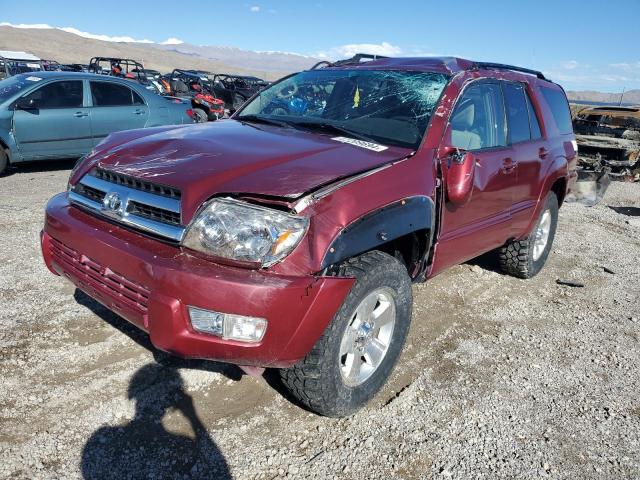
point(590, 187)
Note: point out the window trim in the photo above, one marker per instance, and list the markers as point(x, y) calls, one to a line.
point(90, 96)
point(40, 87)
point(525, 91)
point(473, 82)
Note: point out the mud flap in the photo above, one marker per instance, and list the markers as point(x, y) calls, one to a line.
point(590, 187)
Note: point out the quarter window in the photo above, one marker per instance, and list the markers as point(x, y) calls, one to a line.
point(559, 106)
point(478, 120)
point(67, 94)
point(109, 94)
point(517, 112)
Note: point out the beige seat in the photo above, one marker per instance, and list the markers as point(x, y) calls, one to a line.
point(461, 135)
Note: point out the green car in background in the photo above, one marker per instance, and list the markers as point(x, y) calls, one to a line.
point(55, 115)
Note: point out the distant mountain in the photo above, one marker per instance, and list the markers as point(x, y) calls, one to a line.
point(630, 96)
point(55, 44)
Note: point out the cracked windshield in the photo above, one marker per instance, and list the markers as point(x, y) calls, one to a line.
point(388, 107)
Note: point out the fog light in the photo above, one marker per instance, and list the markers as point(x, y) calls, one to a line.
point(227, 325)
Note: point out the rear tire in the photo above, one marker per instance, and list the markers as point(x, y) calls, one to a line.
point(4, 161)
point(525, 258)
point(200, 115)
point(356, 354)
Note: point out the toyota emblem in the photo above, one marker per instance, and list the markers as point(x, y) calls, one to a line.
point(112, 202)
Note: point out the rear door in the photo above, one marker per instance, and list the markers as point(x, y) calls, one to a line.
point(115, 107)
point(477, 125)
point(529, 153)
point(58, 125)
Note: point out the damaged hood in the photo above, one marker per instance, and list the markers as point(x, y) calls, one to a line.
point(232, 157)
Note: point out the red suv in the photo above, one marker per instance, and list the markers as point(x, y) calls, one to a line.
point(289, 235)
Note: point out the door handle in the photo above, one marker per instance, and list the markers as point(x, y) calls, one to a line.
point(80, 114)
point(543, 152)
point(139, 112)
point(508, 165)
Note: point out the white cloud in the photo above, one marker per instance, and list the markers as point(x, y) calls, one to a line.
point(172, 41)
point(80, 33)
point(255, 8)
point(349, 50)
point(570, 65)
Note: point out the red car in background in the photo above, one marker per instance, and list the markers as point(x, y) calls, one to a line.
point(289, 235)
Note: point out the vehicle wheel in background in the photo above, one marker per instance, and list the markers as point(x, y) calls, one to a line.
point(4, 161)
point(200, 115)
point(356, 354)
point(525, 258)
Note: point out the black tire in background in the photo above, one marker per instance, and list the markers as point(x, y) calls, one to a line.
point(200, 115)
point(4, 161)
point(517, 257)
point(318, 381)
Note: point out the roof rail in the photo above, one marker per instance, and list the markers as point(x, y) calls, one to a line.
point(501, 66)
point(357, 58)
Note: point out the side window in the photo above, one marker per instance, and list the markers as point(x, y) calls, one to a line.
point(559, 106)
point(477, 121)
point(108, 94)
point(137, 99)
point(517, 112)
point(536, 133)
point(66, 94)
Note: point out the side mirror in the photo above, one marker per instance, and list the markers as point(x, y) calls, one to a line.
point(460, 176)
point(26, 104)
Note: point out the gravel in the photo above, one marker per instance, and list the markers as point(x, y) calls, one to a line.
point(501, 378)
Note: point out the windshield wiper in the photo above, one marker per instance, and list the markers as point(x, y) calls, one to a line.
point(261, 119)
point(331, 127)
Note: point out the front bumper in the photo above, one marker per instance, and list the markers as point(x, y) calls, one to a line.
point(151, 283)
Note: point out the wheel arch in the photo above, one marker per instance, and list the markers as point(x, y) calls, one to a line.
point(403, 229)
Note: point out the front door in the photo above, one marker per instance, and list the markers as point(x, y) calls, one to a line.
point(115, 107)
point(56, 125)
point(477, 125)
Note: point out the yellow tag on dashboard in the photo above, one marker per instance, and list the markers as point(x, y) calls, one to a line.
point(356, 98)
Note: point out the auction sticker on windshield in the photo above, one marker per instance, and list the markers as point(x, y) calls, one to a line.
point(361, 143)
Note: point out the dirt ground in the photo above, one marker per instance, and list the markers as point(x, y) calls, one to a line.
point(501, 378)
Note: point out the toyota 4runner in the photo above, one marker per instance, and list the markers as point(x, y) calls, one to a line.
point(289, 235)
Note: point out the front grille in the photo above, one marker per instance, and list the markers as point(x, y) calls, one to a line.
point(153, 213)
point(91, 273)
point(90, 192)
point(136, 183)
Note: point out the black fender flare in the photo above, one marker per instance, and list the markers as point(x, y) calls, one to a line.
point(380, 226)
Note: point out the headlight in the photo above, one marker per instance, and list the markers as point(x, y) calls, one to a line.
point(240, 231)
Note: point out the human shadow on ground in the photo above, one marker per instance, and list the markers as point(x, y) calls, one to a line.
point(143, 448)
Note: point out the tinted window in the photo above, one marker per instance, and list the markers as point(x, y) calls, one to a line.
point(58, 95)
point(559, 108)
point(536, 133)
point(478, 119)
point(107, 94)
point(517, 113)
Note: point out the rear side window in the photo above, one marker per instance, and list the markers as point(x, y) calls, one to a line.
point(517, 113)
point(67, 94)
point(559, 106)
point(536, 133)
point(107, 94)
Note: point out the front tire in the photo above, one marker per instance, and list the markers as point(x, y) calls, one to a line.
point(525, 258)
point(356, 354)
point(4, 161)
point(200, 115)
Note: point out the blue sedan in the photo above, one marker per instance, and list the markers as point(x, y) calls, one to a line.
point(47, 115)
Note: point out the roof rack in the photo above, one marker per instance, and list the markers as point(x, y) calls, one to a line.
point(502, 66)
point(357, 58)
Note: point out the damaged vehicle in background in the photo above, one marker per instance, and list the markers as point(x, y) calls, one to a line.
point(289, 239)
point(609, 138)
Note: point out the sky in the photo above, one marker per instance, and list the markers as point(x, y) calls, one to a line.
point(582, 44)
